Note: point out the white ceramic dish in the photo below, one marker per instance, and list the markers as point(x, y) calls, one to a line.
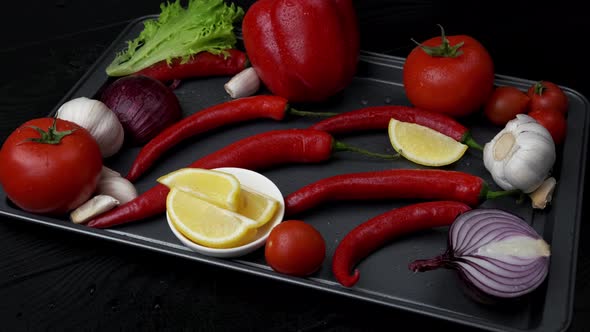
point(259, 183)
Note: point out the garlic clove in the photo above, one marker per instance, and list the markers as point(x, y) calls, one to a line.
point(92, 208)
point(94, 116)
point(243, 84)
point(544, 194)
point(108, 172)
point(118, 187)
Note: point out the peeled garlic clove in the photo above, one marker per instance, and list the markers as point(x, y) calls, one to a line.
point(544, 194)
point(118, 187)
point(243, 84)
point(94, 116)
point(93, 207)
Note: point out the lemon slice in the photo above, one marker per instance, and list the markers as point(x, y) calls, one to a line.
point(257, 206)
point(207, 224)
point(424, 146)
point(219, 188)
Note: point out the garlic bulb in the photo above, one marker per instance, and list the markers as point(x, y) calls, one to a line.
point(521, 155)
point(98, 119)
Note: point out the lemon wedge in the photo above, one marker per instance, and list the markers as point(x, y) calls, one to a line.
point(257, 206)
point(208, 224)
point(422, 145)
point(219, 188)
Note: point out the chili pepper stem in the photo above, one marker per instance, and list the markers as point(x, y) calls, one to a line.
point(293, 111)
point(470, 142)
point(340, 146)
point(498, 194)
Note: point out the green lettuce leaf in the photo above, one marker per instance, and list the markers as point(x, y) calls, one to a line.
point(204, 25)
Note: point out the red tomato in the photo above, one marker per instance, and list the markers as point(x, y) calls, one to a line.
point(303, 50)
point(457, 81)
point(504, 103)
point(49, 178)
point(547, 96)
point(554, 122)
point(295, 248)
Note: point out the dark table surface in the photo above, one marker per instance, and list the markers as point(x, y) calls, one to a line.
point(52, 280)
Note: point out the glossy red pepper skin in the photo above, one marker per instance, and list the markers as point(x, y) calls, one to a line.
point(377, 117)
point(256, 152)
point(203, 64)
point(426, 184)
point(303, 50)
point(224, 114)
point(376, 232)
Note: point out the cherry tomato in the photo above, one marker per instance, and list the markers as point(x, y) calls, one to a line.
point(554, 122)
point(547, 96)
point(295, 248)
point(50, 173)
point(504, 103)
point(452, 75)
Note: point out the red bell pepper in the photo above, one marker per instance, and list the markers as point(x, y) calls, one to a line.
point(303, 50)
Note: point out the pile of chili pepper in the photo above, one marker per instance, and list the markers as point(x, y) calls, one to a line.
point(224, 114)
point(277, 108)
point(278, 147)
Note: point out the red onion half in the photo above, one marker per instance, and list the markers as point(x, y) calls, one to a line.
point(144, 106)
point(496, 253)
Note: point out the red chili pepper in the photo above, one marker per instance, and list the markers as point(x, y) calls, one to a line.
point(377, 117)
point(256, 152)
point(376, 232)
point(393, 184)
point(202, 64)
point(239, 110)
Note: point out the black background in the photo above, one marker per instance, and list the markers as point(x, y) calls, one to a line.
point(55, 281)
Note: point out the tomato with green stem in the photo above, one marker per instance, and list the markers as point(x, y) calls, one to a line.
point(449, 74)
point(547, 96)
point(49, 166)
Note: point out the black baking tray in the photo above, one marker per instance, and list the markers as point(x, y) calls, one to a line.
point(385, 278)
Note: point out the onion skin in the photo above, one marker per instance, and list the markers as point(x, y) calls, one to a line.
point(144, 106)
point(497, 255)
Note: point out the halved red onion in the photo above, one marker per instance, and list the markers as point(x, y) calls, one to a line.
point(497, 253)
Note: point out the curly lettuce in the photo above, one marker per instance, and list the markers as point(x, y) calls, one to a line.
point(204, 25)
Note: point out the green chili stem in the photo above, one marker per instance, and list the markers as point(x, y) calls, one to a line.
point(340, 146)
point(497, 194)
point(470, 142)
point(311, 114)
